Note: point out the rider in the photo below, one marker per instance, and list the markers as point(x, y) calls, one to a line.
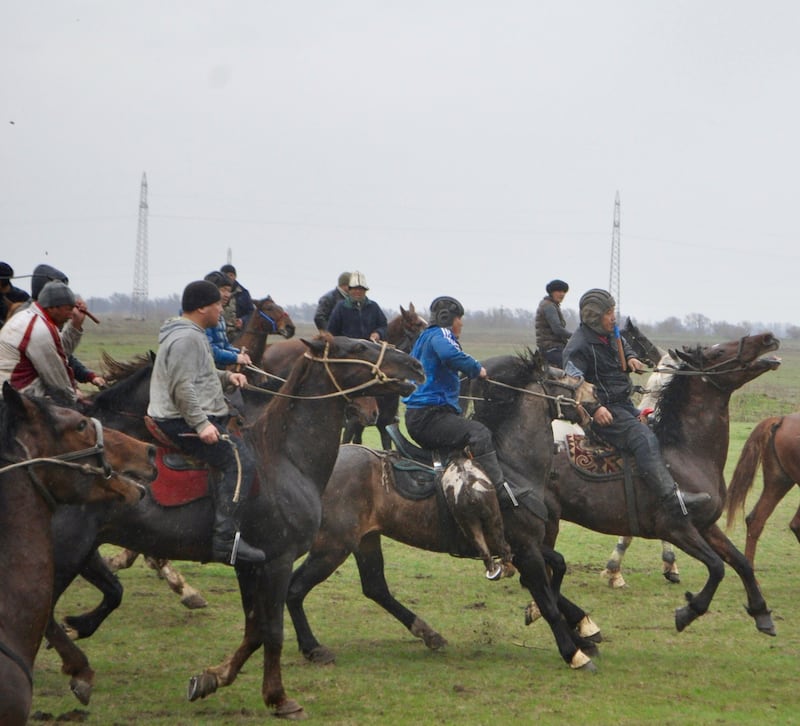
point(327, 302)
point(224, 352)
point(358, 316)
point(188, 404)
point(239, 307)
point(595, 353)
point(551, 328)
point(433, 414)
point(10, 296)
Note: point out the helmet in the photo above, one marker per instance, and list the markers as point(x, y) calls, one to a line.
point(357, 279)
point(444, 310)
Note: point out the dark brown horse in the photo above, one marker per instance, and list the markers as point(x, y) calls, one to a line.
point(48, 455)
point(692, 427)
point(267, 319)
point(775, 443)
point(402, 332)
point(297, 440)
point(362, 503)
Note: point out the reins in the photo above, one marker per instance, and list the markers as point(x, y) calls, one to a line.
point(556, 400)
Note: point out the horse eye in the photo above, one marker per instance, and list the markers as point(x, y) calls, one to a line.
point(82, 425)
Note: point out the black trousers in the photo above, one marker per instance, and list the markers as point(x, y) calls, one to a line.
point(441, 427)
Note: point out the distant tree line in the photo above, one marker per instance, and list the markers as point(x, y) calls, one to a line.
point(693, 325)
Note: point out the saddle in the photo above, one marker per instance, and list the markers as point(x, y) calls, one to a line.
point(593, 458)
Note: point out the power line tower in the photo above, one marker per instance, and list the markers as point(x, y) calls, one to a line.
point(229, 258)
point(613, 278)
point(140, 273)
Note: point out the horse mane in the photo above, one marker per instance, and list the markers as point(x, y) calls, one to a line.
point(116, 370)
point(668, 426)
point(123, 378)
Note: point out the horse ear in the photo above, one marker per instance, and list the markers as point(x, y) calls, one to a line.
point(411, 308)
point(13, 399)
point(684, 355)
point(315, 345)
point(404, 312)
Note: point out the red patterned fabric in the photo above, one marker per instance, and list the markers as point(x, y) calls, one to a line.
point(592, 458)
point(172, 487)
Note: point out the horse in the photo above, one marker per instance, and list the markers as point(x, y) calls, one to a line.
point(49, 455)
point(296, 440)
point(653, 356)
point(773, 443)
point(268, 318)
point(362, 503)
point(692, 426)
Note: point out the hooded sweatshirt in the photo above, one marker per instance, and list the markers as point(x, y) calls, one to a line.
point(185, 384)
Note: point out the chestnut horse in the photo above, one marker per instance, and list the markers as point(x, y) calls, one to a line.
point(361, 503)
point(773, 443)
point(48, 455)
point(692, 426)
point(296, 440)
point(267, 319)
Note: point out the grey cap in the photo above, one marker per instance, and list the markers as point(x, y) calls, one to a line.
point(56, 293)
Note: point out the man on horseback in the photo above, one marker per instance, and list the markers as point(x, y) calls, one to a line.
point(551, 328)
point(604, 359)
point(433, 414)
point(329, 300)
point(188, 404)
point(358, 316)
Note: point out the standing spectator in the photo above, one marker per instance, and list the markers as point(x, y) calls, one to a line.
point(240, 305)
point(10, 296)
point(357, 316)
point(551, 328)
point(329, 300)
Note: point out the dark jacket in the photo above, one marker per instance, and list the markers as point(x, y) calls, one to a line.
point(596, 359)
point(325, 306)
point(551, 328)
point(357, 320)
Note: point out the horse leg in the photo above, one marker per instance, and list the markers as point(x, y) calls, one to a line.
point(669, 565)
point(353, 432)
point(369, 558)
point(74, 662)
point(794, 525)
point(756, 605)
point(121, 561)
point(320, 563)
point(612, 572)
point(776, 486)
point(190, 598)
point(98, 574)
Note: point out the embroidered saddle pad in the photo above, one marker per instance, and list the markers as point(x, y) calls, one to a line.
point(593, 459)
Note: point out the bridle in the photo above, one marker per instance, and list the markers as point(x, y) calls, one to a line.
point(717, 369)
point(66, 460)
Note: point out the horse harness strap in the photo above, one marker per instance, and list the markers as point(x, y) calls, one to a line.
point(23, 666)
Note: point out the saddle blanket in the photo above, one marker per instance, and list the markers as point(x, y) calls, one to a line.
point(594, 459)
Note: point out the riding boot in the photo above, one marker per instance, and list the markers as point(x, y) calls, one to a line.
point(488, 462)
point(671, 496)
point(227, 545)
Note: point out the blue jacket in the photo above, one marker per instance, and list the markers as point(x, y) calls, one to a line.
point(357, 320)
point(442, 359)
point(224, 353)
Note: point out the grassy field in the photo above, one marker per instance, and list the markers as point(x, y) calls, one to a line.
point(719, 671)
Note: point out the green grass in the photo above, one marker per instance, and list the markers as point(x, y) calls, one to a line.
point(495, 669)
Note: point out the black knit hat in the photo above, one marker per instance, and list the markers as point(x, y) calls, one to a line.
point(228, 268)
point(219, 279)
point(198, 294)
point(556, 286)
point(54, 294)
point(6, 271)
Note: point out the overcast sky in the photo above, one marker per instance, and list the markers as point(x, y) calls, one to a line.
point(441, 147)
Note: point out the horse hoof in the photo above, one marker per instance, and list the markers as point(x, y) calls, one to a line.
point(434, 641)
point(614, 578)
point(494, 574)
point(201, 686)
point(765, 625)
point(581, 662)
point(82, 691)
point(683, 617)
point(195, 601)
point(321, 656)
point(673, 577)
point(292, 710)
point(532, 613)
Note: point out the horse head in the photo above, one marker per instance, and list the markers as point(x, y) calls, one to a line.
point(271, 319)
point(364, 367)
point(403, 330)
point(645, 350)
point(84, 462)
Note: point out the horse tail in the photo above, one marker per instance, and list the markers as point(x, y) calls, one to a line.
point(746, 467)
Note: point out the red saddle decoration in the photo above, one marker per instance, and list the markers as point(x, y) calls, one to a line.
point(174, 487)
point(594, 459)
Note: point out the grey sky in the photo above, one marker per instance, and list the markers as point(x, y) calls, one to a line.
point(464, 148)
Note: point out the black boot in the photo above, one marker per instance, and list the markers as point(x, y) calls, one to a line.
point(672, 497)
point(488, 462)
point(227, 546)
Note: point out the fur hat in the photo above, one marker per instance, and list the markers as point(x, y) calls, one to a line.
point(55, 293)
point(358, 279)
point(556, 286)
point(593, 305)
point(42, 274)
point(198, 294)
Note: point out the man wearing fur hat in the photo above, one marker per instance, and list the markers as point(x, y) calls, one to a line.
point(551, 328)
point(33, 358)
point(596, 353)
point(188, 404)
point(357, 316)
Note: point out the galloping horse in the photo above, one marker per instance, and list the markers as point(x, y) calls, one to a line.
point(692, 425)
point(296, 440)
point(362, 502)
point(649, 353)
point(774, 443)
point(402, 332)
point(48, 455)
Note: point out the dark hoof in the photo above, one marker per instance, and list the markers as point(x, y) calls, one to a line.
point(195, 601)
point(590, 667)
point(201, 686)
point(764, 624)
point(291, 709)
point(673, 577)
point(81, 690)
point(683, 617)
point(321, 656)
point(434, 641)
